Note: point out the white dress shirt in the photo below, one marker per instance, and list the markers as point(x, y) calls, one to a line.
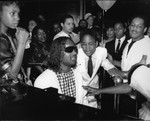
point(121, 41)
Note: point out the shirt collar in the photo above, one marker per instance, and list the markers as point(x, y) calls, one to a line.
point(145, 37)
point(121, 39)
point(93, 56)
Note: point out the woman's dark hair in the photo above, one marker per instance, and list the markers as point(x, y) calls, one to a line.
point(106, 29)
point(7, 3)
point(56, 50)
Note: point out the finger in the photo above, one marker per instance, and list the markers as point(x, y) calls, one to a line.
point(92, 93)
point(89, 94)
point(85, 87)
point(17, 30)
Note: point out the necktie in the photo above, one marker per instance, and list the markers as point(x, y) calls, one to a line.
point(90, 66)
point(118, 46)
point(130, 45)
point(69, 36)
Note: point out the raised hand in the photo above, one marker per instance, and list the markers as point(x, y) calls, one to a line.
point(21, 35)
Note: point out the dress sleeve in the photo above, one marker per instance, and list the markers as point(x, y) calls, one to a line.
point(6, 54)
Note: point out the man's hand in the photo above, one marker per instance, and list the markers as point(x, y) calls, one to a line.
point(91, 91)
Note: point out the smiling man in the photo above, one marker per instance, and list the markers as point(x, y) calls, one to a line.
point(132, 55)
point(62, 72)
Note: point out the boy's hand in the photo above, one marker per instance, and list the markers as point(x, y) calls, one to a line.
point(91, 91)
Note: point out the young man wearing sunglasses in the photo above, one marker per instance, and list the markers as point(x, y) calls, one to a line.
point(89, 49)
point(62, 72)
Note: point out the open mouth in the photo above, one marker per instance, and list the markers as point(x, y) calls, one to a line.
point(73, 58)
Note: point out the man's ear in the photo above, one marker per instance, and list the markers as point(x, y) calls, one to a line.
point(145, 29)
point(62, 25)
point(129, 27)
point(125, 30)
point(96, 43)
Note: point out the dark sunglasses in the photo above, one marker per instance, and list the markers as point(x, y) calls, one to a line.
point(70, 49)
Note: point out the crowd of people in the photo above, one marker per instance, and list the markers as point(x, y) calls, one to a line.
point(69, 58)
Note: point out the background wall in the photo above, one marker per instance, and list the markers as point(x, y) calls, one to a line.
point(53, 9)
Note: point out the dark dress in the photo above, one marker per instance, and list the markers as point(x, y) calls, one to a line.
point(8, 89)
point(38, 54)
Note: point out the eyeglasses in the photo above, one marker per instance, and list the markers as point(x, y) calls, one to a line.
point(70, 49)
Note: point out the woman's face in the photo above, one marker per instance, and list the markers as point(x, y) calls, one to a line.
point(32, 24)
point(110, 32)
point(41, 35)
point(83, 24)
point(10, 16)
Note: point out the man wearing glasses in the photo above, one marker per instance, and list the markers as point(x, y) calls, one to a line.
point(62, 72)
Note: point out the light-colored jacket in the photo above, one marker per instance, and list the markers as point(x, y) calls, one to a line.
point(138, 49)
point(99, 59)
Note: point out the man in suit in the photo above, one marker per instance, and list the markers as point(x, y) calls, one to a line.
point(119, 44)
point(137, 47)
point(90, 51)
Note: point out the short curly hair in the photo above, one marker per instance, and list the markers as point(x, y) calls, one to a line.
point(7, 3)
point(56, 50)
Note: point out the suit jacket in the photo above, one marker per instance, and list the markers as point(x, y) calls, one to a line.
point(99, 59)
point(111, 49)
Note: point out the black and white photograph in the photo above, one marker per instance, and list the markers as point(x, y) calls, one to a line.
point(74, 60)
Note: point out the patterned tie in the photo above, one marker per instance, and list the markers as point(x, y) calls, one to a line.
point(90, 66)
point(118, 46)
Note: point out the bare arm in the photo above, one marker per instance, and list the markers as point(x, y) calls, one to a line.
point(116, 63)
point(119, 89)
point(21, 36)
